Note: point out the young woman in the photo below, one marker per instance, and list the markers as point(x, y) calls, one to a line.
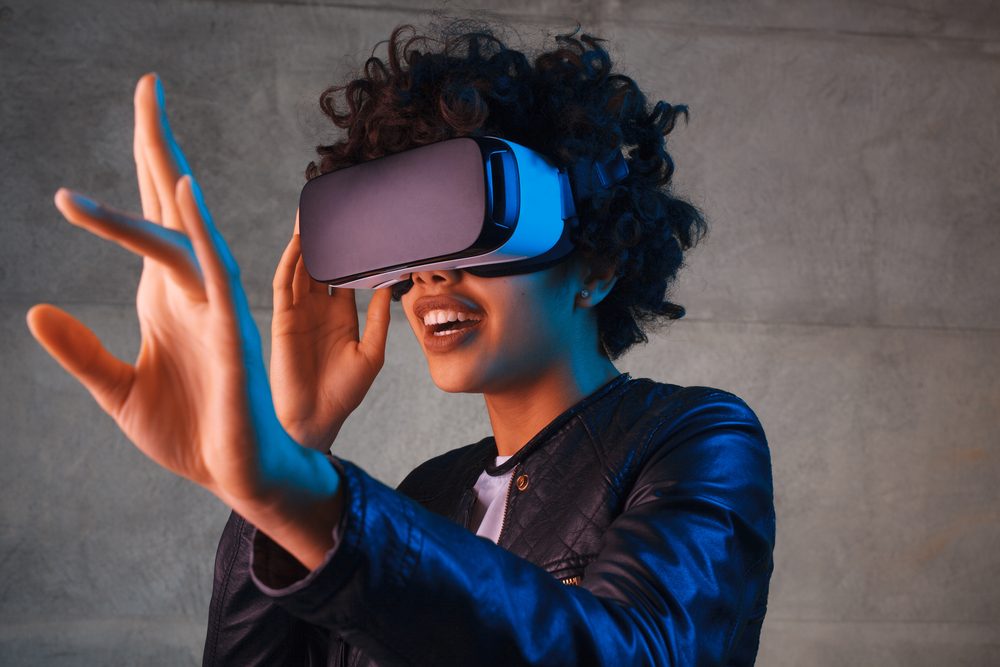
point(608, 520)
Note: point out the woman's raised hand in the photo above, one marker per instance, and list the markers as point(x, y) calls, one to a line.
point(197, 400)
point(320, 368)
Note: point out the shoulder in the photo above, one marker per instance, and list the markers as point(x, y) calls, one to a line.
point(659, 411)
point(698, 441)
point(693, 432)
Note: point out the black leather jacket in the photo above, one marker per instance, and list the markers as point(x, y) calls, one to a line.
point(639, 530)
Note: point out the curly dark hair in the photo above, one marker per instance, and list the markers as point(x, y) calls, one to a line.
point(568, 106)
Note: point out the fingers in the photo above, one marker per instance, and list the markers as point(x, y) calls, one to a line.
point(283, 295)
point(213, 256)
point(222, 282)
point(343, 307)
point(80, 352)
point(376, 331)
point(314, 285)
point(169, 247)
point(147, 189)
point(164, 160)
point(303, 284)
point(301, 281)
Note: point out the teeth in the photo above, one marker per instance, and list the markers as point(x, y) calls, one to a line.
point(442, 316)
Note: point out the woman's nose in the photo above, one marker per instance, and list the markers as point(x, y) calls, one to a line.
point(436, 277)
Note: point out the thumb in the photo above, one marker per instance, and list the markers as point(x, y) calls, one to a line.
point(376, 325)
point(80, 352)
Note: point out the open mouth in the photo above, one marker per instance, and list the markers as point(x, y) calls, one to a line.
point(451, 327)
point(446, 323)
point(449, 321)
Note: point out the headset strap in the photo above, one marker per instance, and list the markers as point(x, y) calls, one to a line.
point(588, 176)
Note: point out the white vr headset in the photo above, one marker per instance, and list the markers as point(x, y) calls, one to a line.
point(486, 205)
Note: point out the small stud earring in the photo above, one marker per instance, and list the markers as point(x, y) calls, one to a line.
point(584, 294)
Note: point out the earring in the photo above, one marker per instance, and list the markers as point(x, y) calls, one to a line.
point(584, 294)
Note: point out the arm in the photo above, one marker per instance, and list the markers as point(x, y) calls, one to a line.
point(197, 399)
point(682, 576)
point(246, 627)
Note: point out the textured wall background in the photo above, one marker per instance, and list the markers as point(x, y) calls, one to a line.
point(847, 154)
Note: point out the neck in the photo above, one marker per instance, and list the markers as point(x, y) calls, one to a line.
point(519, 412)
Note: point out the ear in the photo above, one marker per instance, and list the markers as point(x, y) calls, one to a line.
point(598, 277)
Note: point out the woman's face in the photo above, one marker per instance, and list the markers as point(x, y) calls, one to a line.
point(507, 329)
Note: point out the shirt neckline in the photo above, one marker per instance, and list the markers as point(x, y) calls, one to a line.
point(492, 469)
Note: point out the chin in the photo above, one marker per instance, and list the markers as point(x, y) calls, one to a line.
point(455, 378)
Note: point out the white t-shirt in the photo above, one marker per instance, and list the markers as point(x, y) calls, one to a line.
point(491, 495)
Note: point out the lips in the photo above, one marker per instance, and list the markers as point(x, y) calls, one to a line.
point(439, 337)
point(426, 304)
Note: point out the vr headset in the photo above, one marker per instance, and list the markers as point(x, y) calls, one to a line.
point(486, 205)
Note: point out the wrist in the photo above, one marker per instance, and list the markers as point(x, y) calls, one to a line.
point(302, 504)
point(316, 439)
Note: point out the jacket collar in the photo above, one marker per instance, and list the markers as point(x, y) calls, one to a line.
point(490, 446)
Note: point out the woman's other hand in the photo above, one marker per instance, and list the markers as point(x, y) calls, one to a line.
point(321, 369)
point(197, 400)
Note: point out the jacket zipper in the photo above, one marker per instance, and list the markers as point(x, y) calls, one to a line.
point(569, 581)
point(506, 502)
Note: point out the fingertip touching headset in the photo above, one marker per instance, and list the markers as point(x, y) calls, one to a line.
point(486, 205)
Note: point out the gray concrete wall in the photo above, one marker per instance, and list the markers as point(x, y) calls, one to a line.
point(848, 156)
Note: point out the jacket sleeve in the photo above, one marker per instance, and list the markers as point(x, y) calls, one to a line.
point(682, 573)
point(247, 628)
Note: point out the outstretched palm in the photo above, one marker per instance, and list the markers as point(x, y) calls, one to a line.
point(197, 400)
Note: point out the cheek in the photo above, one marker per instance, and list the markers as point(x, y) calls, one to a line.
point(531, 323)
